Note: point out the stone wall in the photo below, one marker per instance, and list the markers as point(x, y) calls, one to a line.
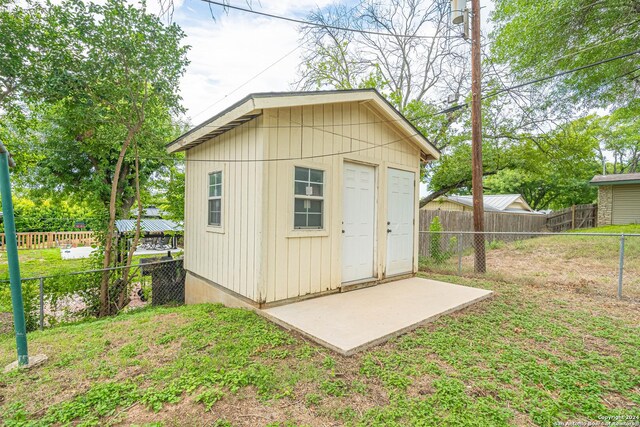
point(605, 204)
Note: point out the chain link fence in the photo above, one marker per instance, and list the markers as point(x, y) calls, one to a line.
point(592, 263)
point(69, 297)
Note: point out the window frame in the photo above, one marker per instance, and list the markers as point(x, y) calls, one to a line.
point(210, 226)
point(322, 198)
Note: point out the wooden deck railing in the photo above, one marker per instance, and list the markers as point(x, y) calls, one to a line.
point(51, 239)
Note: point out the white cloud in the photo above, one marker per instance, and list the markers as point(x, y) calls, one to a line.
point(230, 50)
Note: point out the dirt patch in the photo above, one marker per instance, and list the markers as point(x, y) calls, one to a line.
point(243, 409)
point(563, 265)
point(6, 323)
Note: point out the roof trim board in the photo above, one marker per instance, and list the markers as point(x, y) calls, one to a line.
point(616, 179)
point(252, 105)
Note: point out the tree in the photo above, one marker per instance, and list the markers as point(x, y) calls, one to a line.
point(174, 185)
point(619, 135)
point(554, 172)
point(115, 71)
point(542, 38)
point(411, 68)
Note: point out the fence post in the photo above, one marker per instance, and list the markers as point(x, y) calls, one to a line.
point(573, 217)
point(13, 262)
point(621, 268)
point(459, 254)
point(42, 303)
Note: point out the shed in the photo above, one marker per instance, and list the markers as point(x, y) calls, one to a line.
point(618, 198)
point(502, 203)
point(299, 194)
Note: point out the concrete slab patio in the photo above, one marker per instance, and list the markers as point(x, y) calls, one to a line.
point(352, 321)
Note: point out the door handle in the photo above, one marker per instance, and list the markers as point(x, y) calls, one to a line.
point(388, 230)
point(342, 231)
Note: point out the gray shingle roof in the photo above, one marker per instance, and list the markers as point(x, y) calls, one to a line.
point(618, 178)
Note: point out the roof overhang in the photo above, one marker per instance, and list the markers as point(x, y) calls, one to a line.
point(252, 106)
point(619, 182)
point(616, 179)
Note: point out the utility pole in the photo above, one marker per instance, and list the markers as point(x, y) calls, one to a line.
point(476, 139)
point(458, 17)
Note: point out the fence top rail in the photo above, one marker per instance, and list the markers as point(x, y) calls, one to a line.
point(98, 270)
point(537, 233)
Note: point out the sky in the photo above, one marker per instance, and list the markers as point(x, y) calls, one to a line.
point(230, 50)
point(234, 53)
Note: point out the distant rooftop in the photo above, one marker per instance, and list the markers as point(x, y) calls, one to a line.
point(494, 202)
point(148, 226)
point(617, 178)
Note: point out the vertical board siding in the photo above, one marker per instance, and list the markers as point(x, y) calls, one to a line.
point(295, 264)
point(231, 257)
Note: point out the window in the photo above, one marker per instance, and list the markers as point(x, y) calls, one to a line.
point(215, 199)
point(309, 198)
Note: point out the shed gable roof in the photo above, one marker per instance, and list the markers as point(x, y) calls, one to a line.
point(251, 106)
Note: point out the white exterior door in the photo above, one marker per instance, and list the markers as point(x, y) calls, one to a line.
point(358, 222)
point(400, 215)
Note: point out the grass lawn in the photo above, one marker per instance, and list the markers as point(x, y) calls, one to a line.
point(627, 229)
point(528, 356)
point(42, 262)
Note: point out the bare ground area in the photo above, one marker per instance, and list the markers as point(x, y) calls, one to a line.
point(587, 265)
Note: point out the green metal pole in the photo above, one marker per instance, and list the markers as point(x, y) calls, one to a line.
point(12, 257)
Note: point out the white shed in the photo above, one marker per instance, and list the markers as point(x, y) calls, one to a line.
point(291, 195)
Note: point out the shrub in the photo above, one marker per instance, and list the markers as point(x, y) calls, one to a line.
point(438, 255)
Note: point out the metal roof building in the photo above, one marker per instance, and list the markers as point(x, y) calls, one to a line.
point(148, 226)
point(507, 203)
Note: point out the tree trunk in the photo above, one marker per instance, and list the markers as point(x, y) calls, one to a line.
point(124, 297)
point(108, 244)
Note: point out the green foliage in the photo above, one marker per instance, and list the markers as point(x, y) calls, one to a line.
point(174, 191)
point(519, 357)
point(436, 252)
point(541, 38)
point(312, 399)
point(100, 401)
point(336, 388)
point(209, 397)
point(495, 244)
point(90, 117)
point(50, 215)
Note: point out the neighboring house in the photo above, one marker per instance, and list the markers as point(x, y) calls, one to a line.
point(297, 194)
point(618, 198)
point(505, 203)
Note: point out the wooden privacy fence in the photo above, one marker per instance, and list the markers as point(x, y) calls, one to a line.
point(51, 239)
point(577, 216)
point(493, 221)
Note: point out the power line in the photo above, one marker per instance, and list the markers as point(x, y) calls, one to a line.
point(283, 159)
point(562, 73)
point(315, 24)
point(248, 81)
point(350, 138)
point(542, 79)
